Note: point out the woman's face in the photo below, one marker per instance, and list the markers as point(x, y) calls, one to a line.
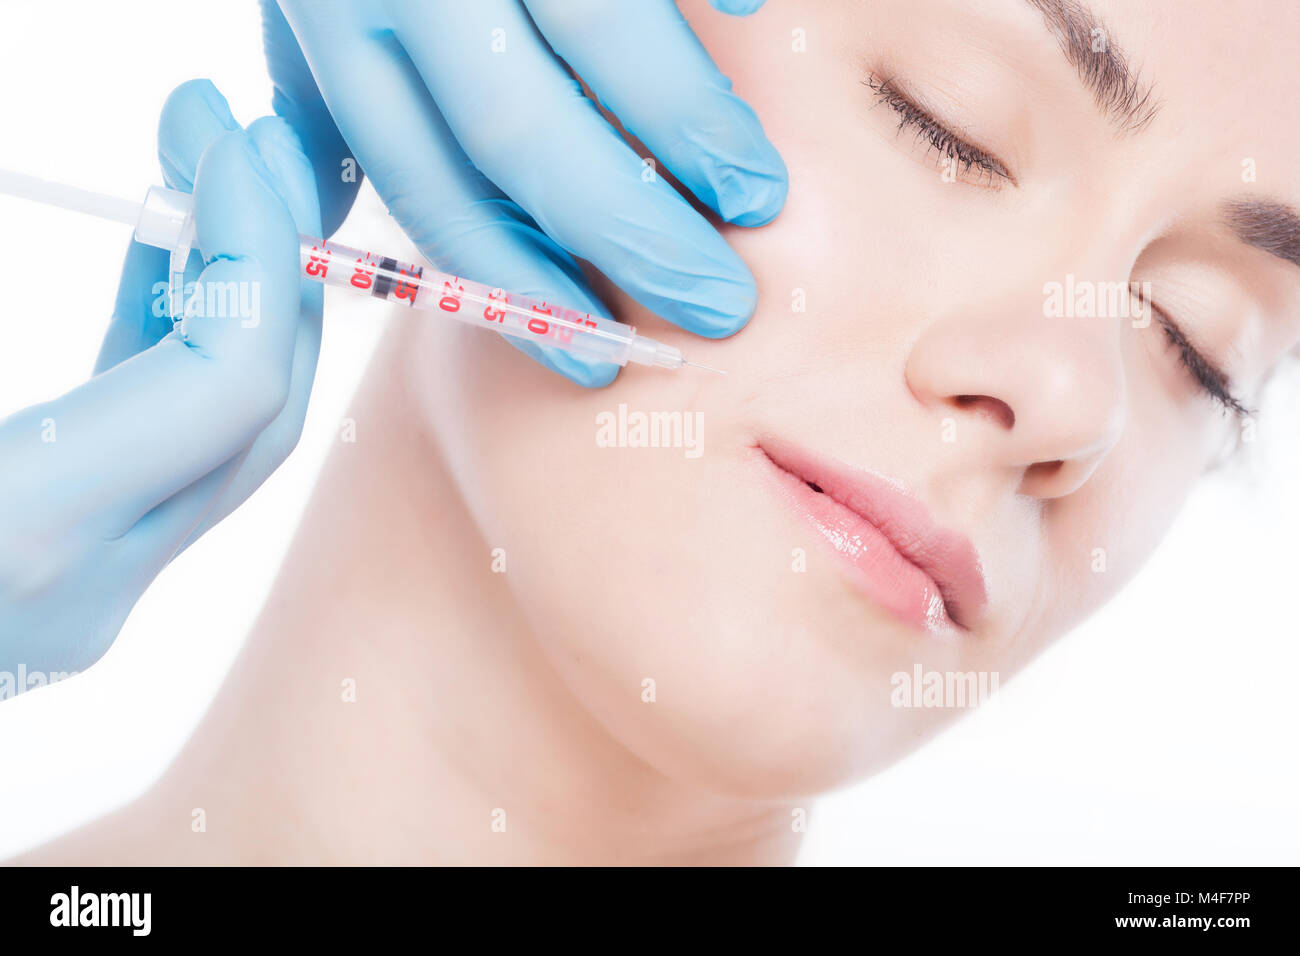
point(995, 454)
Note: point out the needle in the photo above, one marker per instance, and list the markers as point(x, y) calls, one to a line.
point(166, 220)
point(716, 371)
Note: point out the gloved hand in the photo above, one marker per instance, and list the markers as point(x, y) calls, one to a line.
point(100, 488)
point(489, 156)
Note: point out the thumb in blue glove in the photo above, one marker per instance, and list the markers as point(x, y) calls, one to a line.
point(104, 485)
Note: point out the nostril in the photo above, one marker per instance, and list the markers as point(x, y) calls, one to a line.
point(1042, 470)
point(992, 408)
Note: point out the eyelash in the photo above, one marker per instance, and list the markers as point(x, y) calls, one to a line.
point(951, 146)
point(1207, 375)
point(941, 139)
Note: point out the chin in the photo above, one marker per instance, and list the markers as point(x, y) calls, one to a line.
point(770, 663)
point(762, 693)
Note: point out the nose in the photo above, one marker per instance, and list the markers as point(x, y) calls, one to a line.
point(1044, 396)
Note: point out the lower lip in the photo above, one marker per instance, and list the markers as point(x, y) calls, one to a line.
point(873, 564)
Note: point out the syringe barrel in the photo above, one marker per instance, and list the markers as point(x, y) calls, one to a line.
point(166, 220)
point(588, 336)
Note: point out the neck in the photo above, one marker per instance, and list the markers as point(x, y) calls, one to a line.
point(393, 705)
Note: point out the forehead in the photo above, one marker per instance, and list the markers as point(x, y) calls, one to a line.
point(1225, 75)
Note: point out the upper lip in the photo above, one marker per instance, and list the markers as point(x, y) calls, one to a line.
point(946, 556)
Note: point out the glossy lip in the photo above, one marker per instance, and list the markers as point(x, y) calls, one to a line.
point(925, 575)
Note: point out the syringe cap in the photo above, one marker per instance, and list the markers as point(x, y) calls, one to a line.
point(166, 219)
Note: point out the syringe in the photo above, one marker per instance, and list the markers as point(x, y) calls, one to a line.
point(166, 220)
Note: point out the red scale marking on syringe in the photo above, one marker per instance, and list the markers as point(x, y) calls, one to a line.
point(386, 278)
point(407, 286)
point(165, 220)
point(318, 263)
point(381, 276)
point(363, 273)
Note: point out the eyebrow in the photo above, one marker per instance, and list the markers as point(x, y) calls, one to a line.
point(1100, 63)
point(1265, 224)
point(1116, 88)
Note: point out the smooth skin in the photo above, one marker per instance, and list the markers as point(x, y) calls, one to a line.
point(520, 691)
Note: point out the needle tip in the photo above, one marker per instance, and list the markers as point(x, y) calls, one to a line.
point(716, 371)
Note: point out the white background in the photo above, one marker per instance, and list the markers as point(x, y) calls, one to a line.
point(1161, 732)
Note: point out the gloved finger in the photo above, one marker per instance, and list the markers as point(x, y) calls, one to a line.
point(459, 220)
point(740, 8)
point(524, 122)
point(297, 99)
point(174, 525)
point(141, 431)
point(193, 116)
point(292, 173)
point(139, 319)
point(647, 67)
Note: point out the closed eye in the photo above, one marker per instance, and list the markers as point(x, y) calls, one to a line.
point(1211, 379)
point(953, 149)
point(950, 148)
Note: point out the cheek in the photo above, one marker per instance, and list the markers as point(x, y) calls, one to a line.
point(661, 587)
point(670, 611)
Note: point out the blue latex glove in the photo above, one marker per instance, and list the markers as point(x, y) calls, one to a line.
point(101, 487)
point(487, 153)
